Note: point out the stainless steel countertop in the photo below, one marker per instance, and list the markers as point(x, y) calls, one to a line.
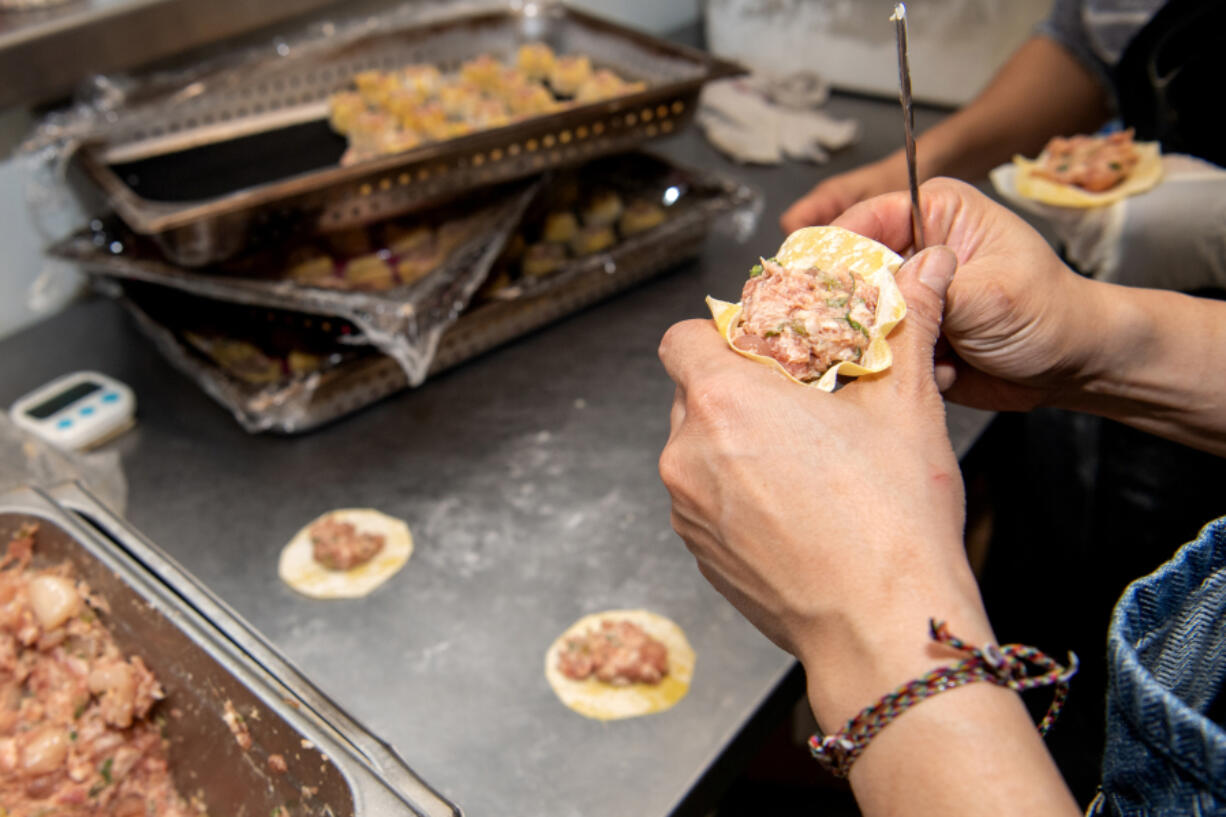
point(529, 479)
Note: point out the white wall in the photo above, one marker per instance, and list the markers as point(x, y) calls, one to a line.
point(656, 16)
point(955, 46)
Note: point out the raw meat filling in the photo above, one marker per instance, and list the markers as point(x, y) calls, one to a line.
point(338, 545)
point(75, 733)
point(1093, 163)
point(619, 652)
point(807, 319)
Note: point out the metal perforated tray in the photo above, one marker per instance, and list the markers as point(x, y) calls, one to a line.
point(301, 404)
point(201, 171)
point(205, 656)
point(403, 322)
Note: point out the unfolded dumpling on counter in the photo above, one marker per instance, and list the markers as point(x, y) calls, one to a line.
point(821, 308)
point(1089, 171)
point(345, 553)
point(620, 664)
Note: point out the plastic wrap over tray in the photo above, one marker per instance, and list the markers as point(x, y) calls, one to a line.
point(210, 663)
point(349, 378)
point(404, 322)
point(206, 159)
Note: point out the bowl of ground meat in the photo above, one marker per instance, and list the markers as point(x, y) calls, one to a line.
point(120, 697)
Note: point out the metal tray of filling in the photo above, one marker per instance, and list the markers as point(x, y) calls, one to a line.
point(286, 372)
point(204, 169)
point(220, 678)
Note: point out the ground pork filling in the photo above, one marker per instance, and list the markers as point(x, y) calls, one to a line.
point(76, 736)
point(617, 652)
point(1093, 163)
point(338, 546)
point(807, 319)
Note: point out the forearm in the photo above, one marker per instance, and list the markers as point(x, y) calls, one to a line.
point(1042, 91)
point(968, 751)
point(1156, 364)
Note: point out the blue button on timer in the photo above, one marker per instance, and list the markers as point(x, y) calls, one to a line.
point(87, 410)
point(65, 423)
point(110, 397)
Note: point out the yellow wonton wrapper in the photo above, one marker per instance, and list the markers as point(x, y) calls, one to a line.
point(1144, 176)
point(605, 702)
point(297, 566)
point(826, 248)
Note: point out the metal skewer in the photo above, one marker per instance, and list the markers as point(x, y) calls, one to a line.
point(908, 123)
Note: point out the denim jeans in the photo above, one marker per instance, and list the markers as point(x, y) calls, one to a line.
point(1166, 753)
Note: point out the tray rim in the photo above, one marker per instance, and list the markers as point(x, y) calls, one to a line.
point(152, 217)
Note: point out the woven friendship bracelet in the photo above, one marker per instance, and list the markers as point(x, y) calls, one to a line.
point(1014, 666)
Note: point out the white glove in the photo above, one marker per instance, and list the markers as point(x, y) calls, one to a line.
point(1170, 237)
point(762, 120)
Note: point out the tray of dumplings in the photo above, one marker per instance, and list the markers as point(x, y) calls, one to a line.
point(397, 284)
point(631, 217)
point(338, 137)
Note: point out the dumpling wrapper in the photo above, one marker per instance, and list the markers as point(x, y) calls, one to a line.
point(299, 570)
point(1146, 174)
point(605, 702)
point(825, 248)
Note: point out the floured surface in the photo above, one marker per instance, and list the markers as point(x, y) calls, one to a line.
point(298, 568)
point(602, 701)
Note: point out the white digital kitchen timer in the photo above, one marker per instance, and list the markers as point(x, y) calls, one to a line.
point(77, 410)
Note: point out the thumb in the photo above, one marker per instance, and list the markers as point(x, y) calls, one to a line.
point(924, 280)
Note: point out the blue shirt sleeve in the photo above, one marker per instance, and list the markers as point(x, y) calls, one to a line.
point(1064, 25)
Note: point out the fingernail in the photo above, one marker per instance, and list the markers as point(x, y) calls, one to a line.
point(937, 268)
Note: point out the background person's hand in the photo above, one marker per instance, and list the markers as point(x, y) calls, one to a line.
point(833, 522)
point(831, 197)
point(1019, 322)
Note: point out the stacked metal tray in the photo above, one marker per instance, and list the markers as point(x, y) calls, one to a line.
point(204, 170)
point(208, 660)
point(403, 321)
point(167, 307)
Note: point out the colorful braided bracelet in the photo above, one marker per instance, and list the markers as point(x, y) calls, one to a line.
point(1006, 666)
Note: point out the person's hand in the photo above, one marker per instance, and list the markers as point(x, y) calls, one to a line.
point(832, 521)
point(831, 197)
point(1019, 322)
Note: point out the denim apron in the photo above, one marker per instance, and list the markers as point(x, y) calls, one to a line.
point(1166, 702)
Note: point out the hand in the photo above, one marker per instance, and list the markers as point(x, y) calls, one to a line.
point(1019, 322)
point(828, 200)
point(833, 522)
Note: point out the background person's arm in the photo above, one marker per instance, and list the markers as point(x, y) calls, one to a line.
point(1157, 364)
point(1041, 92)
